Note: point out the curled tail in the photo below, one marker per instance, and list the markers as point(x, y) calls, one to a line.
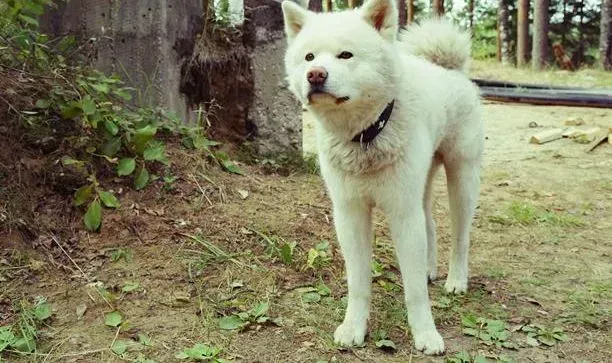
point(440, 42)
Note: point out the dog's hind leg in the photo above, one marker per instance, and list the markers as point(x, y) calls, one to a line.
point(432, 247)
point(353, 220)
point(463, 187)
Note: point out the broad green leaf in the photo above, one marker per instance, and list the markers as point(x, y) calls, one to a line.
point(113, 319)
point(286, 253)
point(119, 347)
point(470, 331)
point(93, 216)
point(100, 87)
point(311, 297)
point(323, 289)
point(144, 340)
point(112, 147)
point(142, 178)
point(88, 105)
point(260, 309)
point(42, 311)
point(532, 341)
point(28, 20)
point(111, 127)
point(560, 336)
point(43, 103)
point(130, 286)
point(6, 337)
point(123, 93)
point(547, 340)
point(126, 166)
point(231, 167)
point(156, 152)
point(231, 322)
point(24, 344)
point(480, 359)
point(70, 111)
point(81, 196)
point(108, 199)
point(142, 136)
point(386, 344)
point(312, 256)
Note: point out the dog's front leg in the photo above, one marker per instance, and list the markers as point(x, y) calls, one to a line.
point(353, 222)
point(408, 230)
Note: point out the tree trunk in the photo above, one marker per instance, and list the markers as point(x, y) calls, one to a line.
point(471, 13)
point(410, 12)
point(438, 7)
point(539, 51)
point(315, 5)
point(605, 39)
point(503, 32)
point(328, 5)
point(403, 12)
point(351, 4)
point(522, 40)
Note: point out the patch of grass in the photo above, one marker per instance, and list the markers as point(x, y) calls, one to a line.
point(292, 162)
point(526, 214)
point(21, 336)
point(496, 273)
point(589, 307)
point(202, 352)
point(276, 247)
point(319, 256)
point(124, 254)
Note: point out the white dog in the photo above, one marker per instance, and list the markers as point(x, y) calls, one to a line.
point(389, 113)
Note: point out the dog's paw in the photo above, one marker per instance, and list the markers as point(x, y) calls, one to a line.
point(348, 334)
point(430, 342)
point(456, 286)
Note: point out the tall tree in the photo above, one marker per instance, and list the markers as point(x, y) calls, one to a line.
point(471, 13)
point(539, 50)
point(328, 5)
point(605, 38)
point(351, 4)
point(438, 7)
point(410, 11)
point(315, 5)
point(503, 32)
point(522, 31)
point(403, 12)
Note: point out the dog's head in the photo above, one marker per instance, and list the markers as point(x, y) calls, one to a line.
point(341, 59)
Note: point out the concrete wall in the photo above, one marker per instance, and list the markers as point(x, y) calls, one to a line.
point(148, 41)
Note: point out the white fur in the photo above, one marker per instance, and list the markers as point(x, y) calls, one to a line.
point(435, 121)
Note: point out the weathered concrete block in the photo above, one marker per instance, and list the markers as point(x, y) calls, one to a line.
point(144, 41)
point(153, 45)
point(275, 113)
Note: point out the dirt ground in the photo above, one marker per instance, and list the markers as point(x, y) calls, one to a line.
point(176, 259)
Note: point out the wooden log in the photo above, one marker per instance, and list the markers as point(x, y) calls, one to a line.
point(570, 132)
point(546, 136)
point(548, 97)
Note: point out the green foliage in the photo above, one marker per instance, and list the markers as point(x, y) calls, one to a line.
point(101, 131)
point(22, 335)
point(201, 352)
point(319, 256)
point(488, 331)
point(538, 334)
point(255, 316)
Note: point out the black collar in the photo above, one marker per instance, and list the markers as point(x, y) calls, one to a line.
point(366, 136)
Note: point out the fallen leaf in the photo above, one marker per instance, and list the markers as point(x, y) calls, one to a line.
point(243, 193)
point(80, 311)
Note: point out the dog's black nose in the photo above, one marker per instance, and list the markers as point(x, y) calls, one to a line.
point(316, 76)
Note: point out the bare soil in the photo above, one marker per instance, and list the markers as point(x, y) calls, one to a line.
point(546, 261)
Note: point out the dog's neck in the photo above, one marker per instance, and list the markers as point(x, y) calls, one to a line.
point(347, 121)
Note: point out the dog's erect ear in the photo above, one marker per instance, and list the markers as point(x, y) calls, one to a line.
point(382, 15)
point(295, 17)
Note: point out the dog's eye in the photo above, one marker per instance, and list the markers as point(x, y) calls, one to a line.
point(309, 57)
point(345, 55)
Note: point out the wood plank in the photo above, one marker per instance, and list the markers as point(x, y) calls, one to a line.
point(546, 136)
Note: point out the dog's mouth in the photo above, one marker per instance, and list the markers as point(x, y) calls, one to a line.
point(317, 92)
